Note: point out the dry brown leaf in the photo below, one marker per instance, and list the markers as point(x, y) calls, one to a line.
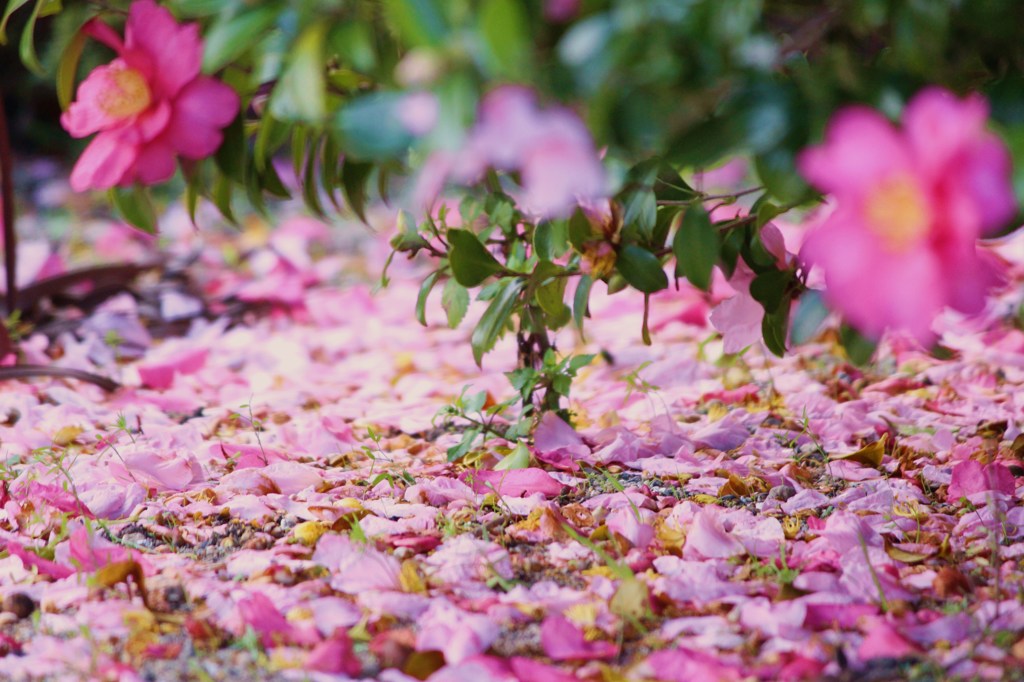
point(869, 455)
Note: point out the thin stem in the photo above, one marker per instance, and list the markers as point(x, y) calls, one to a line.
point(710, 197)
point(7, 196)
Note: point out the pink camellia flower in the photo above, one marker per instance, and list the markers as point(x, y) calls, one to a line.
point(910, 205)
point(149, 105)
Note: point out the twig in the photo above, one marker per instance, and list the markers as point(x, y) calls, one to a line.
point(34, 371)
point(7, 196)
point(709, 197)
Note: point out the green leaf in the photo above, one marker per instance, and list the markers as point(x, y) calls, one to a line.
point(12, 7)
point(858, 348)
point(494, 319)
point(330, 168)
point(504, 30)
point(310, 186)
point(300, 135)
point(371, 128)
point(420, 22)
point(271, 135)
point(766, 211)
point(641, 212)
point(354, 176)
point(811, 312)
point(192, 193)
point(580, 300)
point(455, 301)
point(641, 269)
point(231, 35)
point(706, 142)
point(670, 186)
point(136, 207)
point(755, 253)
point(550, 292)
point(457, 452)
point(773, 329)
point(354, 43)
point(668, 218)
point(777, 171)
point(551, 239)
point(580, 230)
point(299, 94)
point(230, 156)
point(769, 289)
point(67, 67)
point(27, 44)
point(222, 192)
point(519, 458)
point(696, 246)
point(421, 298)
point(470, 260)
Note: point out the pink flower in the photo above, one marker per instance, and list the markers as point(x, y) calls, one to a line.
point(910, 204)
point(550, 148)
point(149, 105)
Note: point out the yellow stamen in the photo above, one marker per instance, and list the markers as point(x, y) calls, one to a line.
point(127, 94)
point(897, 212)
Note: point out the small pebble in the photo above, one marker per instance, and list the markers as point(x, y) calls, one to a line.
point(20, 604)
point(781, 493)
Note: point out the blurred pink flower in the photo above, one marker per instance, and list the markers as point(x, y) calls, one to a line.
point(561, 11)
point(910, 204)
point(149, 105)
point(551, 149)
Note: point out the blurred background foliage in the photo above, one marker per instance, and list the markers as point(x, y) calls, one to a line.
point(668, 88)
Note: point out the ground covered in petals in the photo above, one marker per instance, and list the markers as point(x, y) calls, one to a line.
point(268, 494)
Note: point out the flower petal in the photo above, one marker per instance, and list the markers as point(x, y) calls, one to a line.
point(105, 162)
point(174, 51)
point(203, 107)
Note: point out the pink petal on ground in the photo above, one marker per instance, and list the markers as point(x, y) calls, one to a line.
point(760, 536)
point(292, 477)
point(708, 538)
point(357, 568)
point(529, 670)
point(164, 471)
point(558, 443)
point(111, 501)
point(637, 531)
point(53, 495)
point(971, 478)
point(884, 641)
point(246, 456)
point(563, 641)
point(160, 374)
point(455, 633)
point(259, 613)
point(31, 559)
point(514, 482)
point(685, 665)
point(725, 434)
point(88, 551)
point(335, 656)
point(474, 669)
point(842, 616)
